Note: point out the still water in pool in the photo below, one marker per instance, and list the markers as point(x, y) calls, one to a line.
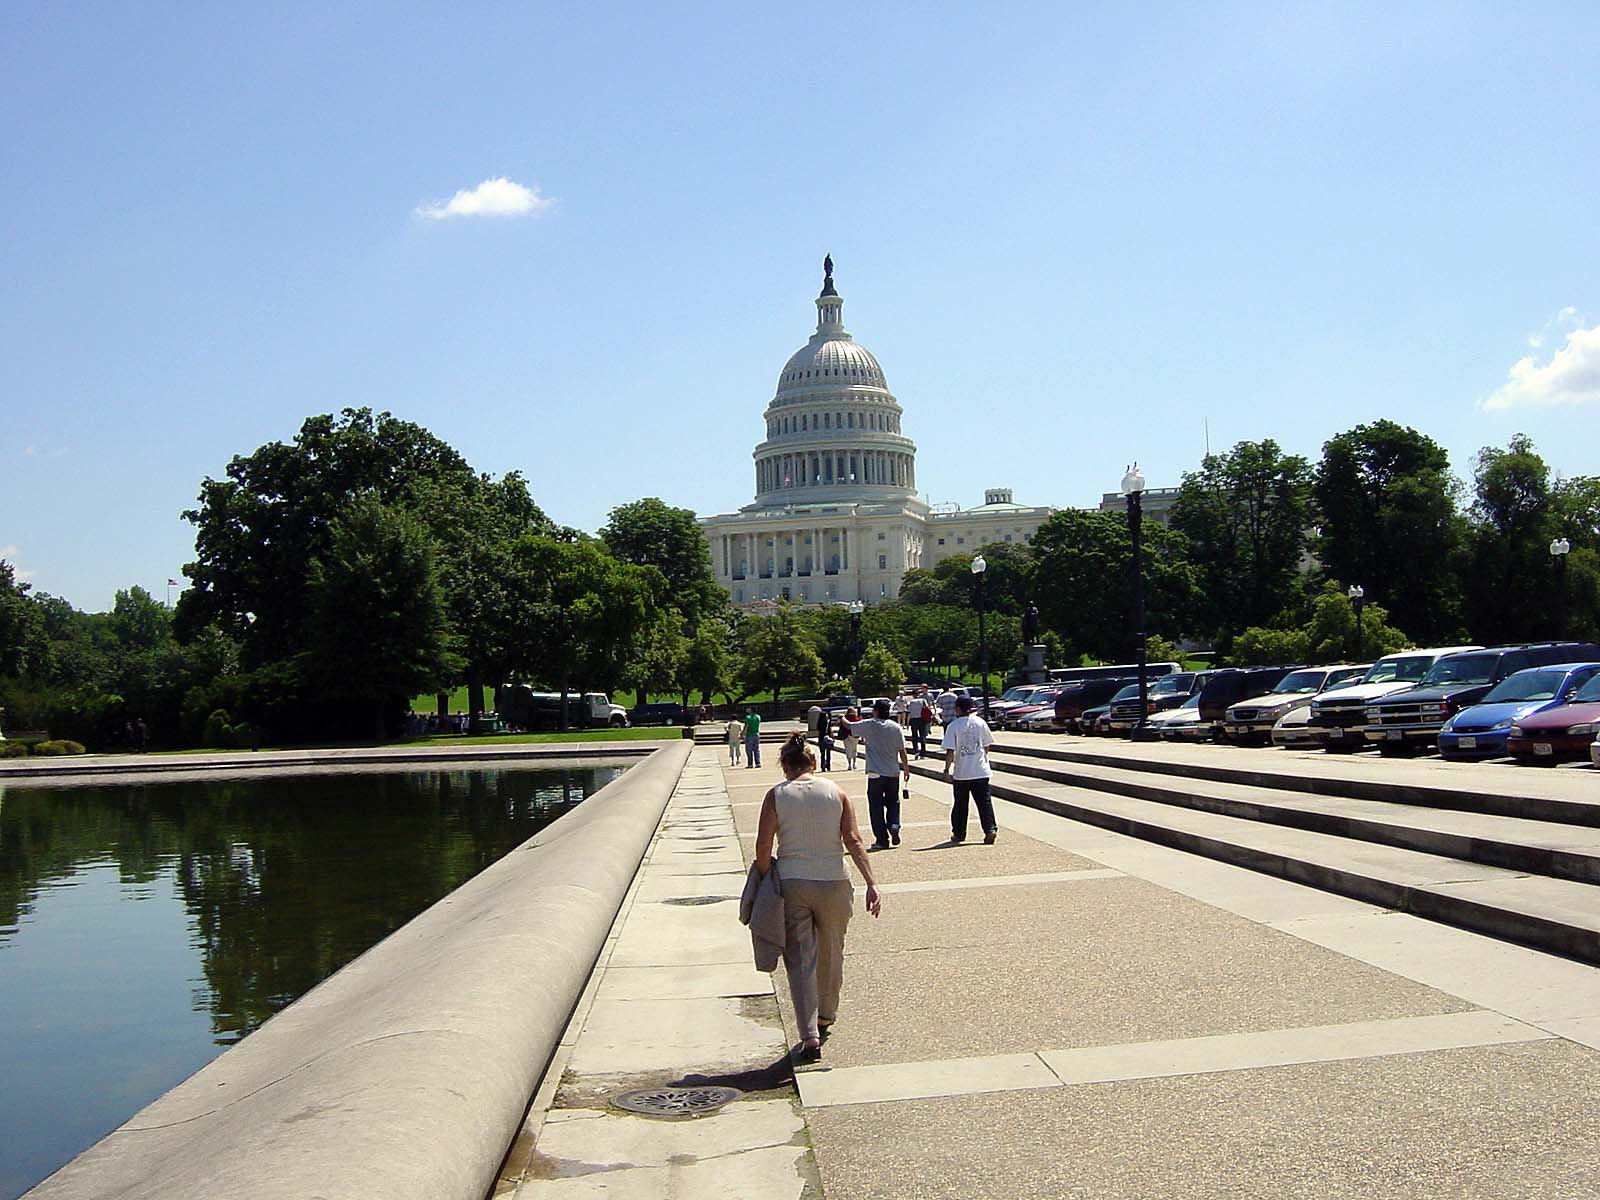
point(145, 928)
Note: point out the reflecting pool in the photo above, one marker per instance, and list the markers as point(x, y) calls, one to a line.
point(146, 927)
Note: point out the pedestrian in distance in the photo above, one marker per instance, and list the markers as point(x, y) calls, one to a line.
point(825, 744)
point(735, 732)
point(886, 766)
point(813, 826)
point(900, 709)
point(752, 738)
point(921, 718)
point(814, 720)
point(966, 765)
point(848, 737)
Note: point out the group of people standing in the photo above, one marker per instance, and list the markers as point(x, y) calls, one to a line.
point(807, 826)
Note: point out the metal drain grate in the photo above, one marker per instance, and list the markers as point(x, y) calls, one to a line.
point(675, 1101)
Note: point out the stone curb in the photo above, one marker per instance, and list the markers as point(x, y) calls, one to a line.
point(406, 1074)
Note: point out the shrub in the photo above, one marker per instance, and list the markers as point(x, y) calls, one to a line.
point(58, 747)
point(218, 730)
point(13, 750)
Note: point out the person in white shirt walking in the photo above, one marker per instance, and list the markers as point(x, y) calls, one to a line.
point(966, 764)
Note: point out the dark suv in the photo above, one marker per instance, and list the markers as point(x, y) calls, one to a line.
point(1226, 687)
point(1168, 691)
point(1091, 693)
point(1405, 720)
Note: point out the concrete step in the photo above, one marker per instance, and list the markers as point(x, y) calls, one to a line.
point(1279, 772)
point(1536, 847)
point(1556, 915)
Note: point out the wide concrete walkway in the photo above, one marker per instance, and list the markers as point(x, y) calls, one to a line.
point(1075, 1013)
point(1068, 1013)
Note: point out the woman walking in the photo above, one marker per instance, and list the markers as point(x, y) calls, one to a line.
point(735, 733)
point(814, 827)
point(848, 737)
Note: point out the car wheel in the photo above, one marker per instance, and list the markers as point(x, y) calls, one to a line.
point(617, 721)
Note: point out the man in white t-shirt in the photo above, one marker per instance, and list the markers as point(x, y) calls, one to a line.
point(966, 764)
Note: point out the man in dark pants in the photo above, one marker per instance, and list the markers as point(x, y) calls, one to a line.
point(966, 764)
point(921, 718)
point(886, 765)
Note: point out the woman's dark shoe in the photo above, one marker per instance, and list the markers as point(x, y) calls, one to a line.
point(894, 836)
point(988, 838)
point(811, 1050)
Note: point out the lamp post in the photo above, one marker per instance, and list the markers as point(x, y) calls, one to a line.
point(979, 568)
point(856, 649)
point(1358, 595)
point(1558, 551)
point(1133, 489)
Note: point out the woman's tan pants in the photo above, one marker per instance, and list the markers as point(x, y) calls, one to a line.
point(815, 913)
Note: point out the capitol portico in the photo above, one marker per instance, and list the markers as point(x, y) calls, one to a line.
point(836, 516)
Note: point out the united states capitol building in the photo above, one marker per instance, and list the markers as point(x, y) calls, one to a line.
point(836, 515)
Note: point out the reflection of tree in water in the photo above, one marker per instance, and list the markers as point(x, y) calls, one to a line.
point(285, 879)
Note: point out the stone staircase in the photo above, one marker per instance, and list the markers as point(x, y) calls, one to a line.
point(1523, 868)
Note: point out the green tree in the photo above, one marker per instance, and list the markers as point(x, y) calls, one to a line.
point(1007, 578)
point(1246, 514)
point(777, 653)
point(880, 672)
point(1329, 636)
point(1387, 503)
point(1508, 589)
point(583, 614)
point(651, 533)
point(709, 668)
point(23, 643)
point(376, 630)
point(259, 528)
point(661, 657)
point(1083, 582)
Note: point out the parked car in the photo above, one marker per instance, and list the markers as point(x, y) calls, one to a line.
point(1161, 694)
point(1182, 724)
point(661, 713)
point(1043, 700)
point(839, 703)
point(1042, 720)
point(1482, 730)
point(1339, 719)
point(1096, 721)
point(1226, 687)
point(1559, 733)
point(1294, 729)
point(1250, 722)
point(1086, 694)
point(1012, 698)
point(1412, 719)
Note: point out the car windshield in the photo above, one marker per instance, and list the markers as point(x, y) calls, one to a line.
point(1300, 683)
point(1527, 685)
point(1131, 692)
point(1465, 668)
point(1590, 690)
point(1169, 685)
point(1342, 676)
point(1019, 693)
point(1397, 670)
point(1191, 702)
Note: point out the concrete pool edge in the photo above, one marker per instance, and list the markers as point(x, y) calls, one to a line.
point(75, 768)
point(407, 1073)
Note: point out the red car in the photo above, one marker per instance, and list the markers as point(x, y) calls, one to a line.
point(1558, 733)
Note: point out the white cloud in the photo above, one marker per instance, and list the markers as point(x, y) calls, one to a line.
point(1572, 376)
point(499, 197)
point(9, 554)
point(1567, 314)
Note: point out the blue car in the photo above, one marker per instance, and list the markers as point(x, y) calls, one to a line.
point(1480, 731)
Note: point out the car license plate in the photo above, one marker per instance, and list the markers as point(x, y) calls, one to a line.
point(1394, 735)
point(1239, 728)
point(1335, 734)
point(1543, 749)
point(1467, 743)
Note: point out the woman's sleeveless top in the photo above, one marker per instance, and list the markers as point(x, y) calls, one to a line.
point(809, 845)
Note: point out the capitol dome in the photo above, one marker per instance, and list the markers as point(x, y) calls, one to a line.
point(833, 426)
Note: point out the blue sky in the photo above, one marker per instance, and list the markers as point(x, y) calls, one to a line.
point(1072, 238)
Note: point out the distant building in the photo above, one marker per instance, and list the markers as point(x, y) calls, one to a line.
point(1156, 505)
point(836, 516)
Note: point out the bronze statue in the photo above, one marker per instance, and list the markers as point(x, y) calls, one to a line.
point(1030, 625)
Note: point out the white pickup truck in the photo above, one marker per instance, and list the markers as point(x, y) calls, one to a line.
point(1338, 718)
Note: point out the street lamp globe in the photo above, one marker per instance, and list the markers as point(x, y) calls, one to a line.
point(1355, 591)
point(856, 607)
point(979, 566)
point(1132, 480)
point(1559, 547)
